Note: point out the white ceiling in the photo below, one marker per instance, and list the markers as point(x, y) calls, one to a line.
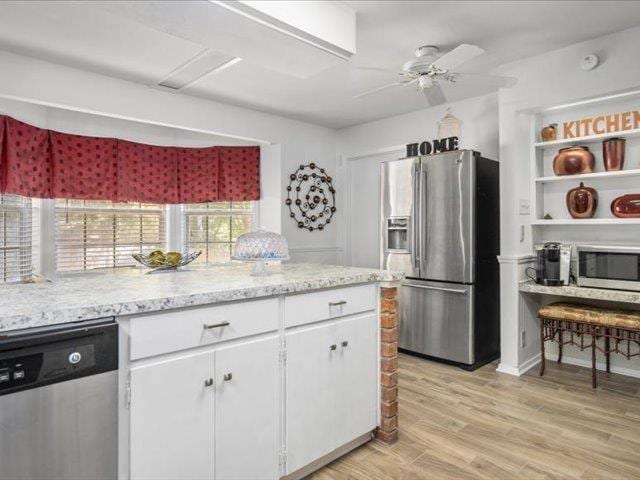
point(136, 41)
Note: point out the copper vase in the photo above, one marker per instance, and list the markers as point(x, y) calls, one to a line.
point(574, 160)
point(626, 206)
point(582, 201)
point(549, 133)
point(613, 153)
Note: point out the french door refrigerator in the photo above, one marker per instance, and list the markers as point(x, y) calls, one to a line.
point(440, 226)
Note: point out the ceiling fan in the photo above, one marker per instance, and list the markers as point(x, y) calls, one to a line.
point(428, 73)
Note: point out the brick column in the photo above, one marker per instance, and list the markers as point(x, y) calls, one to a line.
point(388, 430)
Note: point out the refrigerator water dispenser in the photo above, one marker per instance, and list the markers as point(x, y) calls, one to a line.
point(397, 233)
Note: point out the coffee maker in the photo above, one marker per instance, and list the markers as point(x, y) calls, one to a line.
point(553, 264)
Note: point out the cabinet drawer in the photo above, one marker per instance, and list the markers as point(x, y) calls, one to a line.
point(181, 329)
point(337, 302)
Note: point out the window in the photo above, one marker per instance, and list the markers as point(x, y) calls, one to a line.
point(15, 239)
point(214, 227)
point(103, 234)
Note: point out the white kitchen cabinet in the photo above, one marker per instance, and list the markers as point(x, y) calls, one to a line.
point(332, 379)
point(231, 391)
point(310, 394)
point(356, 378)
point(246, 416)
point(172, 418)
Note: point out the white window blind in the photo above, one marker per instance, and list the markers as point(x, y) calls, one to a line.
point(15, 238)
point(214, 227)
point(103, 234)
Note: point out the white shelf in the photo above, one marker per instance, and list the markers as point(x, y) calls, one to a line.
point(554, 144)
point(588, 221)
point(589, 176)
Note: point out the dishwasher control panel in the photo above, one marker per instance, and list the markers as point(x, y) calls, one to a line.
point(44, 358)
point(20, 370)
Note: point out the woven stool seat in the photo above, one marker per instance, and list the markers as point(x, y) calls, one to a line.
point(593, 315)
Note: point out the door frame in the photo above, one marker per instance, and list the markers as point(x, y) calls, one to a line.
point(345, 226)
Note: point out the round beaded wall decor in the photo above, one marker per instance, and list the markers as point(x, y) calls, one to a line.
point(311, 197)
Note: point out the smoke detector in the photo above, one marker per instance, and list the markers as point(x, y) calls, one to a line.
point(589, 62)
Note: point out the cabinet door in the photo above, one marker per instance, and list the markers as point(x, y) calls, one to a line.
point(172, 419)
point(310, 395)
point(356, 378)
point(246, 424)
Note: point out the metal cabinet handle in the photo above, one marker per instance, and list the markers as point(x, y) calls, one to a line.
point(345, 343)
point(209, 326)
point(208, 382)
point(333, 347)
point(228, 376)
point(335, 304)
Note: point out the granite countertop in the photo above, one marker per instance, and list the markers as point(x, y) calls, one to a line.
point(132, 290)
point(582, 292)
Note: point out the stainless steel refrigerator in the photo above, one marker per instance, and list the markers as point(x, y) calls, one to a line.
point(440, 225)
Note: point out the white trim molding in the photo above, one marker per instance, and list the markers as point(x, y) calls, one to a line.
point(520, 369)
point(600, 366)
point(518, 343)
point(517, 258)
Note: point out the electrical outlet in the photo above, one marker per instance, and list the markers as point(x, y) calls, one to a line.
point(524, 207)
point(523, 339)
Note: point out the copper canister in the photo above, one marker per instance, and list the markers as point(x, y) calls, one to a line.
point(574, 160)
point(613, 153)
point(582, 201)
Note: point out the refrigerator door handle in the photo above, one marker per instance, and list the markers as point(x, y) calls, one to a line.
point(422, 184)
point(441, 289)
point(415, 225)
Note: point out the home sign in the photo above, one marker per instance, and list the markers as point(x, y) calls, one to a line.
point(437, 146)
point(616, 122)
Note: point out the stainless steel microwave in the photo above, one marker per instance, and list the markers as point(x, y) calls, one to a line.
point(608, 267)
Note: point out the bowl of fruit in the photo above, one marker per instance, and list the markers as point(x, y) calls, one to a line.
point(160, 261)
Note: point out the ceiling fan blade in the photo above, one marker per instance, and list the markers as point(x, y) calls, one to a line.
point(456, 57)
point(435, 95)
point(384, 87)
point(486, 80)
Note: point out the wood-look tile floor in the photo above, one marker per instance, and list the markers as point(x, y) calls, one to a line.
point(486, 425)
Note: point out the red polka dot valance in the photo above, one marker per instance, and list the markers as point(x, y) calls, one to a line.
point(40, 163)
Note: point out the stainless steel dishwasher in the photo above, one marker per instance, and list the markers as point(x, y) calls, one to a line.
point(59, 402)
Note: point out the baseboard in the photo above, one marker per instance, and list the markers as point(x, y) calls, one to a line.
point(521, 369)
point(508, 369)
point(580, 362)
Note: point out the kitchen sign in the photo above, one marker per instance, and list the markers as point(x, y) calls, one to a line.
point(437, 146)
point(616, 122)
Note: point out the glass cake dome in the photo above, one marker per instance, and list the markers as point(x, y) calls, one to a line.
point(261, 246)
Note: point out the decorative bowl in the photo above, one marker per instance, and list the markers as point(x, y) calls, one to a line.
point(158, 261)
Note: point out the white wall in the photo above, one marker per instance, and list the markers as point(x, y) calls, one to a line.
point(479, 118)
point(63, 88)
point(363, 147)
point(553, 78)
